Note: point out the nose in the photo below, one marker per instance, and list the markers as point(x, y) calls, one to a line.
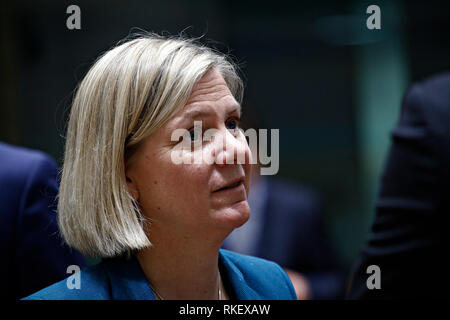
point(232, 148)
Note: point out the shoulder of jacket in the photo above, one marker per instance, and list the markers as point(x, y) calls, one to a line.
point(264, 276)
point(89, 284)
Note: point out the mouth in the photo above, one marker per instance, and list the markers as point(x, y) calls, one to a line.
point(232, 185)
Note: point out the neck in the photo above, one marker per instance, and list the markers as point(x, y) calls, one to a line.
point(181, 269)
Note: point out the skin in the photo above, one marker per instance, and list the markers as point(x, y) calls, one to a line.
point(189, 221)
point(300, 283)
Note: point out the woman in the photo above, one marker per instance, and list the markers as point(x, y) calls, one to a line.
point(157, 224)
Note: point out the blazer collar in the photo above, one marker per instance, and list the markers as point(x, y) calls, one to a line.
point(128, 281)
point(234, 280)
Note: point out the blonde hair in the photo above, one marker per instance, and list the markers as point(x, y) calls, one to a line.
point(129, 92)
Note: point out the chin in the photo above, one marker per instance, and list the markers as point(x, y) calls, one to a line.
point(234, 216)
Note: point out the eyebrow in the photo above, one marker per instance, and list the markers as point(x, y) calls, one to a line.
point(204, 114)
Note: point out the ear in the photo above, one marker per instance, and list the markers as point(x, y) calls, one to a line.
point(132, 188)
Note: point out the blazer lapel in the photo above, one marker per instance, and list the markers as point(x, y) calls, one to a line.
point(234, 280)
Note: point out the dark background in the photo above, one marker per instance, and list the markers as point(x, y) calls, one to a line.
point(312, 69)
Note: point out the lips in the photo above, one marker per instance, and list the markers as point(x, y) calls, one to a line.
point(232, 184)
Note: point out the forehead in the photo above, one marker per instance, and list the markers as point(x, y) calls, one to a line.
point(211, 87)
point(210, 95)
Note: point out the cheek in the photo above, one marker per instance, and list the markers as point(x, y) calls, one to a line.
point(190, 178)
point(172, 187)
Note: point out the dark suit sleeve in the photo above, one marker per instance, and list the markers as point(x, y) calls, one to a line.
point(40, 256)
point(407, 230)
point(326, 277)
point(295, 237)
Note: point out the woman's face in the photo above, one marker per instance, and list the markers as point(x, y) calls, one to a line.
point(185, 198)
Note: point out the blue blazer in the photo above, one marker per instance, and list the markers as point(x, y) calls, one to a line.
point(244, 277)
point(33, 256)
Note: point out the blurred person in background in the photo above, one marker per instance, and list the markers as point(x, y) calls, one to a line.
point(409, 239)
point(33, 253)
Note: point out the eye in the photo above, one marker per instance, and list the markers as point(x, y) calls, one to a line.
point(192, 134)
point(232, 123)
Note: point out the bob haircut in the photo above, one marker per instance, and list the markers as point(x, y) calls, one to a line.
point(129, 92)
